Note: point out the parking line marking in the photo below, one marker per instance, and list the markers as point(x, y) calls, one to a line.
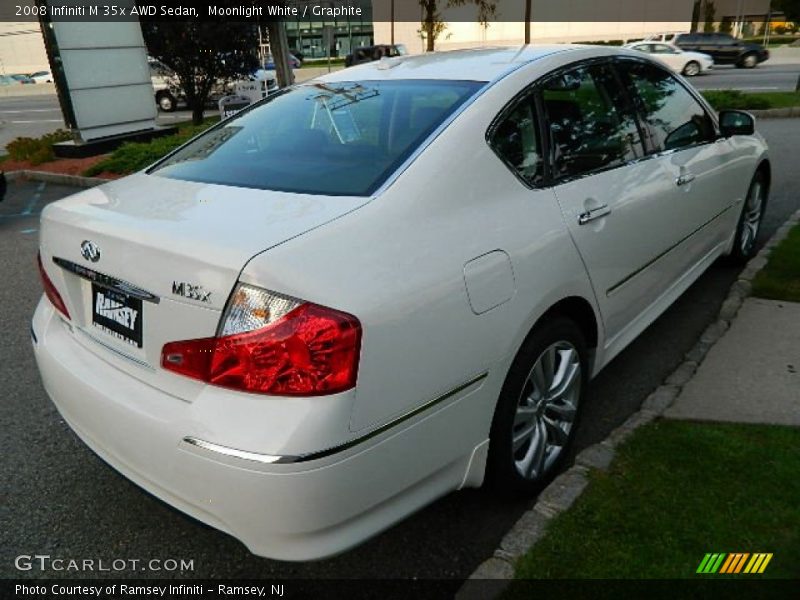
point(30, 110)
point(36, 197)
point(38, 121)
point(34, 230)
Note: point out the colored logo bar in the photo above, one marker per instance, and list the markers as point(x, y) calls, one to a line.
point(734, 562)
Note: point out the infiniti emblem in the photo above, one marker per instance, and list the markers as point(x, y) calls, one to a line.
point(90, 251)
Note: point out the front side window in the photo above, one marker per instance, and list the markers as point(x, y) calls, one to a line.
point(675, 119)
point(342, 138)
point(515, 140)
point(590, 126)
point(662, 49)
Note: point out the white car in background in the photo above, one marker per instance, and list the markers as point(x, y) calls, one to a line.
point(42, 77)
point(681, 61)
point(387, 284)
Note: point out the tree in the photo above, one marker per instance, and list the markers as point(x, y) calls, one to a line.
point(433, 25)
point(202, 55)
point(709, 14)
point(790, 8)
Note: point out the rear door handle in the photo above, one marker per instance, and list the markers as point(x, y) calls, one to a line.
point(684, 179)
point(595, 213)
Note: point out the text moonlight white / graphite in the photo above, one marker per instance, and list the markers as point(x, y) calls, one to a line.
point(332, 11)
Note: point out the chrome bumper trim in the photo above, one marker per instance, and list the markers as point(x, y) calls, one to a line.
point(275, 459)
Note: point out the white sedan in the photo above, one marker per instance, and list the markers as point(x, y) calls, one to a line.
point(681, 61)
point(393, 282)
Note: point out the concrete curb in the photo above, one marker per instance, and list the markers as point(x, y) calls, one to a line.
point(776, 113)
point(58, 178)
point(568, 486)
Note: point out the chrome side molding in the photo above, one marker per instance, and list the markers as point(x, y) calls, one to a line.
point(285, 459)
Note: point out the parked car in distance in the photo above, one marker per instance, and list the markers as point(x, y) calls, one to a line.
point(724, 48)
point(528, 213)
point(370, 53)
point(666, 37)
point(166, 87)
point(22, 78)
point(295, 62)
point(680, 61)
point(168, 92)
point(42, 77)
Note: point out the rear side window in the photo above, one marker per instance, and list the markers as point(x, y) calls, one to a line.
point(675, 119)
point(515, 139)
point(342, 138)
point(590, 126)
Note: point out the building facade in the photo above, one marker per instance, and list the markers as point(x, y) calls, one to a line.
point(21, 48)
point(552, 22)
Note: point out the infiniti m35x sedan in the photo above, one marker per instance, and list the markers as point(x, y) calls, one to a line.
point(390, 283)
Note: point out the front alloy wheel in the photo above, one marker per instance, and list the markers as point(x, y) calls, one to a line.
point(691, 69)
point(744, 247)
point(749, 61)
point(537, 413)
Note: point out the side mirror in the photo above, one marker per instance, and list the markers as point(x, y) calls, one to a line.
point(736, 122)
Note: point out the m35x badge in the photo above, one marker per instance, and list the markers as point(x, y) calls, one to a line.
point(191, 291)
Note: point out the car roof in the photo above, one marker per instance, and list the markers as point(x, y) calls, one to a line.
point(479, 64)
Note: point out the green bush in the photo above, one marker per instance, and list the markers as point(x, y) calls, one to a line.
point(36, 150)
point(721, 99)
point(135, 156)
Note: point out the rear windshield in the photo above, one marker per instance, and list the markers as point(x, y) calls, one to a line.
point(324, 138)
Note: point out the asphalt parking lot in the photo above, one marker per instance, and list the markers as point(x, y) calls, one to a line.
point(59, 499)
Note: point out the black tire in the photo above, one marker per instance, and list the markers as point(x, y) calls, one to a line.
point(692, 68)
point(745, 241)
point(166, 102)
point(503, 463)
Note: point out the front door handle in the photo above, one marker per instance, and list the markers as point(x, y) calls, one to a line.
point(684, 179)
point(594, 213)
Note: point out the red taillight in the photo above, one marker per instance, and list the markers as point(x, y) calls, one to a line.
point(310, 351)
point(50, 290)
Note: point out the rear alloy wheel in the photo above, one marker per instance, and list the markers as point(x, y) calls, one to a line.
point(744, 246)
point(749, 61)
point(166, 102)
point(691, 69)
point(537, 413)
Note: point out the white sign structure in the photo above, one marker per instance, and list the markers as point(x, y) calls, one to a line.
point(107, 77)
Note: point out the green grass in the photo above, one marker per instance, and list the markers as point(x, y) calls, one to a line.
point(134, 156)
point(316, 63)
point(780, 279)
point(721, 99)
point(676, 491)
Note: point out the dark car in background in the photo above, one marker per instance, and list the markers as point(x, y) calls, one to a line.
point(723, 48)
point(367, 54)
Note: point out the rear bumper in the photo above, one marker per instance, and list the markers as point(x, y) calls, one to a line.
point(296, 511)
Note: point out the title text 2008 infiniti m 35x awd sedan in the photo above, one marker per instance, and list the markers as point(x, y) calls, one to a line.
point(390, 283)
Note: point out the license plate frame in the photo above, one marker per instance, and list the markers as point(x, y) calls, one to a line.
point(118, 314)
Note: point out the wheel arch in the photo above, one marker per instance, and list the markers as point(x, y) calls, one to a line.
point(765, 167)
point(580, 311)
